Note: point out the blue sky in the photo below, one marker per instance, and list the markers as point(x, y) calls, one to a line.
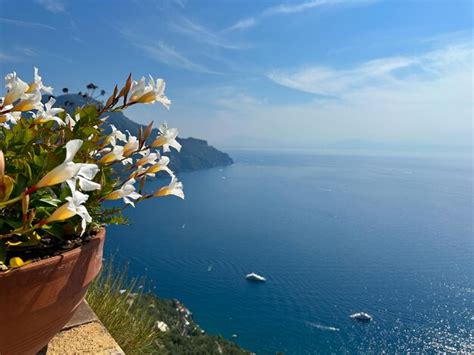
point(292, 74)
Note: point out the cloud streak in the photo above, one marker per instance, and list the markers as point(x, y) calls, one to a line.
point(300, 7)
point(290, 8)
point(164, 53)
point(243, 24)
point(6, 58)
point(379, 73)
point(20, 23)
point(54, 6)
point(201, 34)
point(170, 56)
point(424, 99)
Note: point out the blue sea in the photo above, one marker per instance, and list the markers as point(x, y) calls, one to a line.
point(334, 233)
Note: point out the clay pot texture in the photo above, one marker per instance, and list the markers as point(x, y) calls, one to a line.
point(38, 299)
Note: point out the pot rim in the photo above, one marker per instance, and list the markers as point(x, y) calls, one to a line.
point(100, 235)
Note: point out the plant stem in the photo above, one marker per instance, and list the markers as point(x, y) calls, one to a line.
point(17, 231)
point(23, 230)
point(9, 202)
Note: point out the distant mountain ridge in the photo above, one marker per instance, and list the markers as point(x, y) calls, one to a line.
point(196, 154)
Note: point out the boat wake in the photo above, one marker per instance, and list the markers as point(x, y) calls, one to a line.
point(322, 327)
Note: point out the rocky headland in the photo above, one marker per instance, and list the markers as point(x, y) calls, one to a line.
point(195, 154)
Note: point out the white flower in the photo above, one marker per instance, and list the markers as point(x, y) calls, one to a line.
point(116, 135)
point(127, 161)
point(148, 94)
point(140, 171)
point(167, 138)
point(74, 206)
point(85, 175)
point(127, 192)
point(115, 154)
point(131, 146)
point(161, 165)
point(15, 86)
point(71, 122)
point(27, 102)
point(9, 118)
point(65, 171)
point(148, 158)
point(38, 85)
point(48, 113)
point(71, 171)
point(174, 188)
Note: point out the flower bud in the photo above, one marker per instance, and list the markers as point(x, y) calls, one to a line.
point(25, 202)
point(31, 216)
point(2, 165)
point(6, 182)
point(148, 131)
point(154, 169)
point(6, 188)
point(2, 173)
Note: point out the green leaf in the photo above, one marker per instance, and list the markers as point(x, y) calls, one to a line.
point(15, 223)
point(38, 160)
point(28, 170)
point(21, 184)
point(50, 201)
point(55, 230)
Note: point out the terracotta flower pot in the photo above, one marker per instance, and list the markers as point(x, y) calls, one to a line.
point(38, 299)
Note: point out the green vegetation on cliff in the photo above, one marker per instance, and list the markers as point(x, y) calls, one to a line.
point(143, 323)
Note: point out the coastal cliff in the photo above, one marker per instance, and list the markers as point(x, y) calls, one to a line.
point(141, 322)
point(195, 154)
point(179, 332)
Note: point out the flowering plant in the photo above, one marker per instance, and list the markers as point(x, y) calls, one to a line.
point(57, 169)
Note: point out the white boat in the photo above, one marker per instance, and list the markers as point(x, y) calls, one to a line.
point(255, 277)
point(362, 316)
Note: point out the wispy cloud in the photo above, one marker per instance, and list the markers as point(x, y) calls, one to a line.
point(377, 73)
point(299, 7)
point(54, 6)
point(20, 23)
point(23, 54)
point(243, 24)
point(425, 99)
point(201, 34)
point(27, 51)
point(180, 3)
point(6, 58)
point(163, 53)
point(290, 8)
point(170, 56)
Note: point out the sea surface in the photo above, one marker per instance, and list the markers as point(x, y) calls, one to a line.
point(334, 233)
